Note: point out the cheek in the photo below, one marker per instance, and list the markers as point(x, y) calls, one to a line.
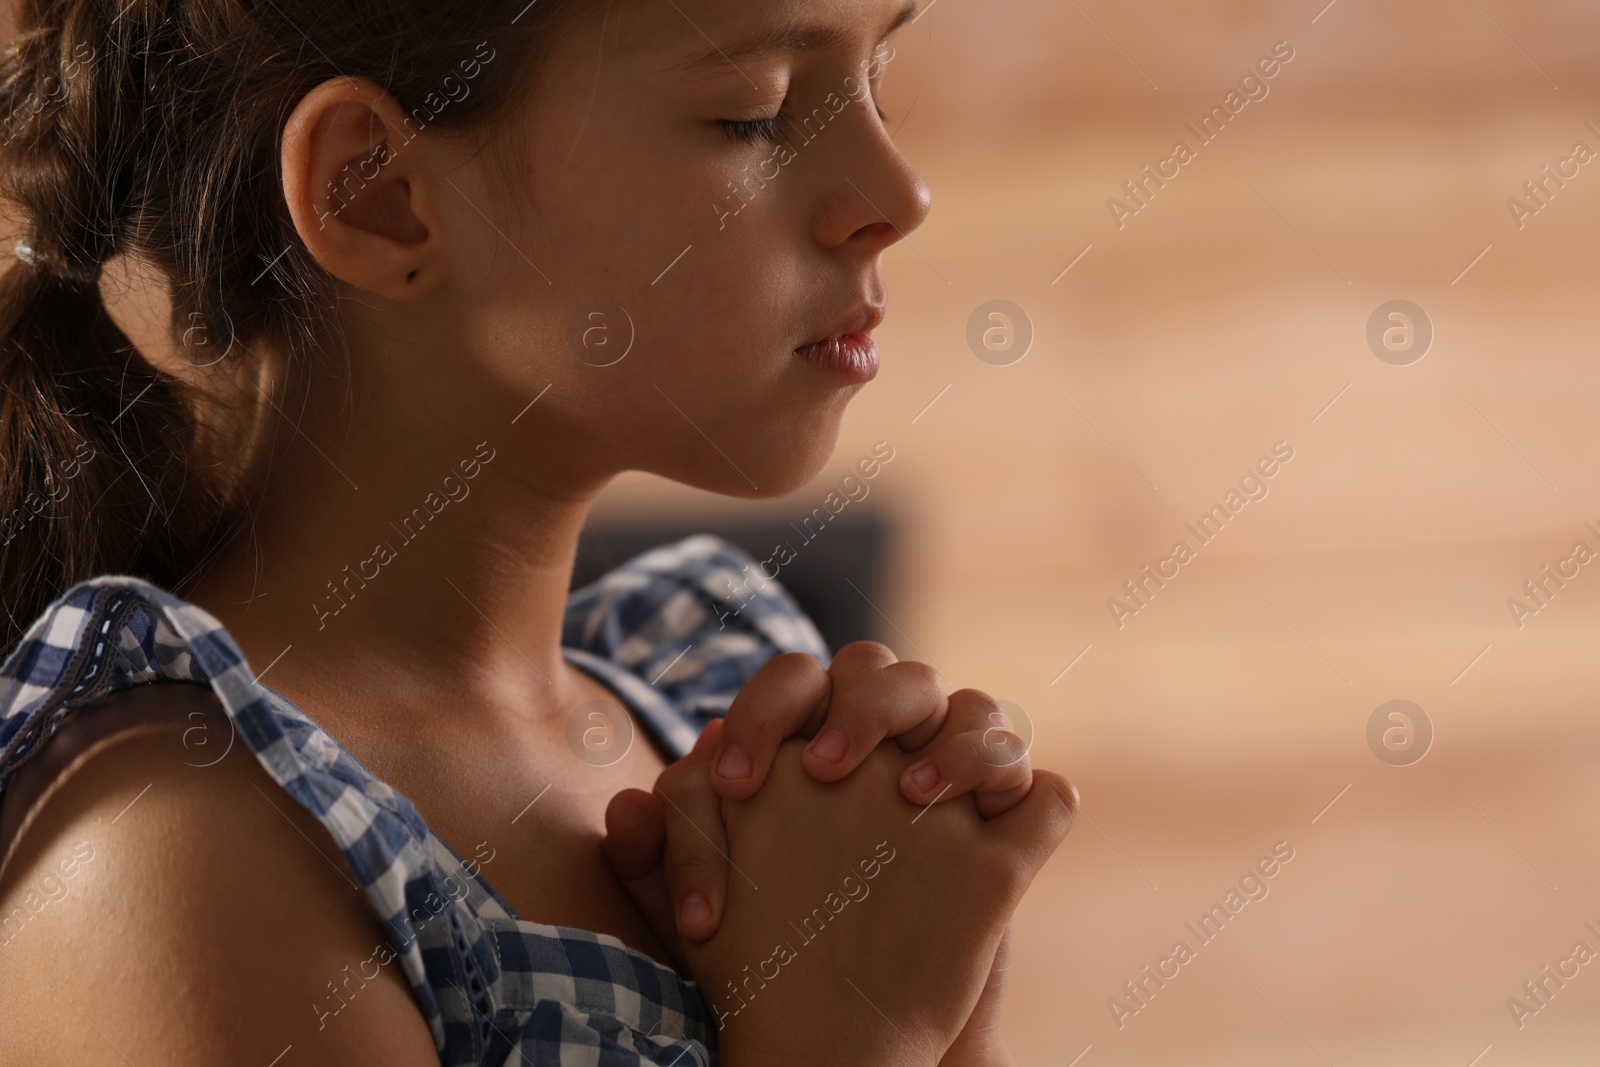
point(622, 209)
point(630, 205)
point(653, 245)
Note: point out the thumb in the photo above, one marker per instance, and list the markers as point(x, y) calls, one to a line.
point(636, 837)
point(636, 825)
point(1035, 828)
point(636, 832)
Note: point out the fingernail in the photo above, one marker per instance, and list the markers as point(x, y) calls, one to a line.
point(733, 763)
point(693, 910)
point(925, 777)
point(831, 745)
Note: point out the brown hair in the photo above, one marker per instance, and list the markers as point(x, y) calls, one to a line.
point(150, 129)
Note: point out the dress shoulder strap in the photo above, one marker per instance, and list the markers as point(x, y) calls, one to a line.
point(114, 632)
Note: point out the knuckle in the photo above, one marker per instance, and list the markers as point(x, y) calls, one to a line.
point(975, 700)
point(964, 750)
point(788, 667)
point(1003, 753)
point(856, 712)
point(680, 780)
point(1063, 796)
point(763, 735)
point(881, 763)
point(1068, 794)
point(864, 654)
point(756, 714)
point(919, 672)
point(853, 705)
point(691, 866)
point(788, 762)
point(670, 781)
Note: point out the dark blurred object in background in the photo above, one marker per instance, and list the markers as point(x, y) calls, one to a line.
point(851, 548)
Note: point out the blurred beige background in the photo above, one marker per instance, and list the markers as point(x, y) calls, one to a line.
point(1224, 317)
point(1221, 319)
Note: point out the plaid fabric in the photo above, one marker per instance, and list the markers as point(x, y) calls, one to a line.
point(675, 632)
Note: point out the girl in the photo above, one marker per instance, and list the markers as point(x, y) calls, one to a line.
point(434, 279)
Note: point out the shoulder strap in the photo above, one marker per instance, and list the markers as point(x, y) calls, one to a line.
point(114, 632)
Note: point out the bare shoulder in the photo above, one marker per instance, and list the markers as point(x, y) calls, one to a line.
point(166, 901)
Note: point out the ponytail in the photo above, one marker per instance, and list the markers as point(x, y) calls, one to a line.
point(93, 477)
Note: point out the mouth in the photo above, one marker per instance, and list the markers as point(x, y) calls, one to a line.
point(848, 349)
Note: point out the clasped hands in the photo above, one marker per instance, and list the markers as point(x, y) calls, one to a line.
point(743, 859)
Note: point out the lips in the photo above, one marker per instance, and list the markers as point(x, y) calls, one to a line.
point(853, 357)
point(862, 320)
point(848, 350)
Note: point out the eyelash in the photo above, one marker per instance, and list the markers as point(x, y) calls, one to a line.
point(771, 129)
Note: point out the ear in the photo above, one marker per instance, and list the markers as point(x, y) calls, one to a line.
point(358, 189)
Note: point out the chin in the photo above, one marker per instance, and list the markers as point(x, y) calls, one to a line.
point(787, 473)
point(788, 454)
point(804, 450)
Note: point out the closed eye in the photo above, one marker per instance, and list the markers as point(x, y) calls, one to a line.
point(770, 129)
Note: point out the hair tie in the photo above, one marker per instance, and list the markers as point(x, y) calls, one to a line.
point(25, 252)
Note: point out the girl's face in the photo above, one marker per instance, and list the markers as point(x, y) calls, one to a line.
point(659, 220)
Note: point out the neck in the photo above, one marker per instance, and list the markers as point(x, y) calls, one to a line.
point(407, 552)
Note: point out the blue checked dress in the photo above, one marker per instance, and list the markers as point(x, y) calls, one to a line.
point(674, 632)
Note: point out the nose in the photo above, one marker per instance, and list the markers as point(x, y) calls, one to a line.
point(878, 197)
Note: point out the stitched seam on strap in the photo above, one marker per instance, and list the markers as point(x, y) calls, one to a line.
point(84, 673)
